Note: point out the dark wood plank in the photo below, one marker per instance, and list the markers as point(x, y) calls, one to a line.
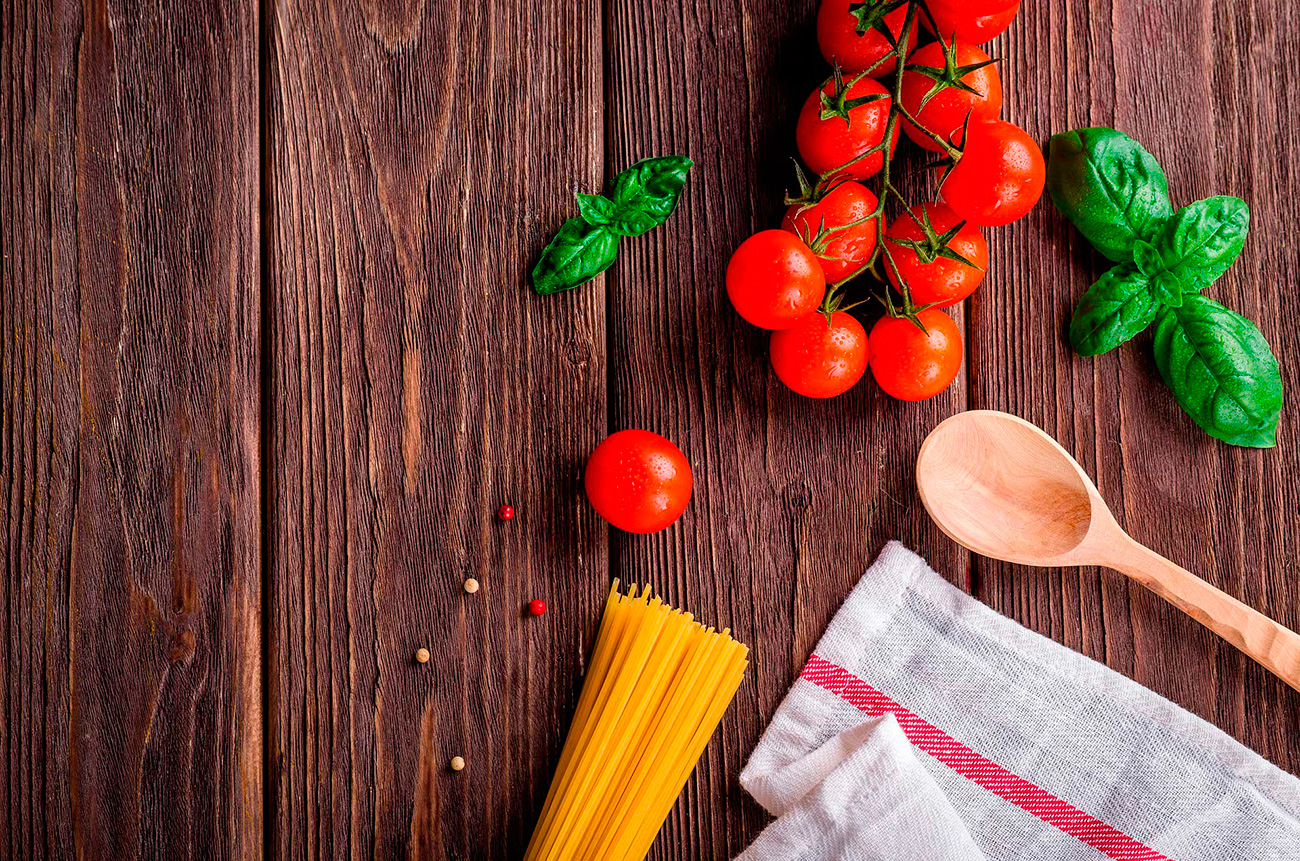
point(420, 156)
point(793, 497)
point(1201, 86)
point(131, 718)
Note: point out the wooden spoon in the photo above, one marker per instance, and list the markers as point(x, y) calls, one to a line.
point(1001, 487)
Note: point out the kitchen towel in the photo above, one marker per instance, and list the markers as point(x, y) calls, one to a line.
point(927, 727)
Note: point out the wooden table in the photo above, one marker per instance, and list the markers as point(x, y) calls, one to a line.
point(270, 363)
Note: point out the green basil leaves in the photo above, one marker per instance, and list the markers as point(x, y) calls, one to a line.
point(1221, 371)
point(643, 197)
point(647, 192)
point(578, 253)
point(1109, 186)
point(1198, 244)
point(1217, 363)
point(1113, 310)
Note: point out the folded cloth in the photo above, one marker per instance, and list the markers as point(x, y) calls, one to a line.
point(1017, 748)
point(865, 795)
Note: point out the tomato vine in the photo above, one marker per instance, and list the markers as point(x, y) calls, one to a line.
point(946, 97)
point(827, 181)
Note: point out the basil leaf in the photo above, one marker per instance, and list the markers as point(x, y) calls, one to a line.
point(1221, 371)
point(647, 192)
point(630, 221)
point(1115, 308)
point(1164, 286)
point(595, 209)
point(1147, 258)
point(1109, 186)
point(1199, 243)
point(578, 253)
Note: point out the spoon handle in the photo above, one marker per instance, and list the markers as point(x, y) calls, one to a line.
point(1274, 646)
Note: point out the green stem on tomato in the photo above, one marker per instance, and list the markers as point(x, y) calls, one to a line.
point(895, 105)
point(948, 149)
point(828, 180)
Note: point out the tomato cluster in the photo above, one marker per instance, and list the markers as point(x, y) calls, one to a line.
point(945, 96)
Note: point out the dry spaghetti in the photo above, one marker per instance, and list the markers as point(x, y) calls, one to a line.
point(656, 688)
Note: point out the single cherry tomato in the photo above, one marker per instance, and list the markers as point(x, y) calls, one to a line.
point(842, 250)
point(848, 34)
point(506, 512)
point(638, 481)
point(773, 279)
point(536, 607)
point(999, 176)
point(820, 359)
point(913, 365)
point(943, 82)
point(942, 265)
point(848, 132)
point(954, 18)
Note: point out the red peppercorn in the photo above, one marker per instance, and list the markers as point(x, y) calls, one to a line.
point(537, 607)
point(505, 512)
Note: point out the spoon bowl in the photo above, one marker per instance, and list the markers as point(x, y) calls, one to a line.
point(1001, 487)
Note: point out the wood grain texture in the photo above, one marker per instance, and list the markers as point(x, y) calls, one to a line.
point(131, 719)
point(420, 156)
point(414, 160)
point(1228, 514)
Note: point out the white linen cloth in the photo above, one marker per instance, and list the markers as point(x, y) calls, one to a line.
point(927, 727)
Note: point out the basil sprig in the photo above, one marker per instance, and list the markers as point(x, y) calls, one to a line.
point(642, 198)
point(1217, 363)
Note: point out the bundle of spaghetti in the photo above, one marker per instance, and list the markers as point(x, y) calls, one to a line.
point(655, 690)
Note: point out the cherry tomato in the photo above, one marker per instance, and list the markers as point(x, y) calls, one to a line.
point(848, 36)
point(931, 272)
point(826, 144)
point(956, 19)
point(946, 68)
point(913, 365)
point(845, 251)
point(638, 481)
point(820, 359)
point(773, 279)
point(999, 176)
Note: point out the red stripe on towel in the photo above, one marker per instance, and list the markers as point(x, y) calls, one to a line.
point(1032, 799)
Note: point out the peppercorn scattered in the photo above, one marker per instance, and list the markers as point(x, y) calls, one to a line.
point(506, 512)
point(422, 655)
point(457, 763)
point(537, 607)
point(471, 585)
